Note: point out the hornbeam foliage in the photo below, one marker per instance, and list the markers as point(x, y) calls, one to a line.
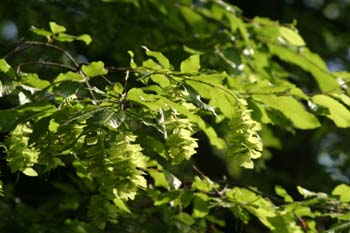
point(123, 136)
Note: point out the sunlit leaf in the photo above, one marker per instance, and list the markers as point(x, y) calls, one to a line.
point(337, 112)
point(56, 28)
point(4, 67)
point(191, 64)
point(343, 191)
point(72, 76)
point(163, 61)
point(85, 38)
point(291, 36)
point(292, 109)
point(30, 172)
point(94, 69)
point(33, 80)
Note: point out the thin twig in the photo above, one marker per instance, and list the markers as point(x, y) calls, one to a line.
point(107, 80)
point(123, 97)
point(18, 48)
point(86, 80)
point(46, 63)
point(65, 52)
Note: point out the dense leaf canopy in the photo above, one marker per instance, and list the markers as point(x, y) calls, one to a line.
point(168, 116)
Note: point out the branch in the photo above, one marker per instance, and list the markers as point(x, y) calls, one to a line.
point(65, 52)
point(45, 63)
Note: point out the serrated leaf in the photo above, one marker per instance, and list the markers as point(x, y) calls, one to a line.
point(343, 191)
point(338, 113)
point(4, 67)
point(71, 76)
point(191, 64)
point(94, 69)
point(291, 109)
point(291, 36)
point(163, 61)
point(30, 172)
point(56, 28)
point(85, 38)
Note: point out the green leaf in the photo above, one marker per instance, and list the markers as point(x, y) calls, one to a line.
point(72, 76)
point(166, 198)
point(343, 191)
point(200, 205)
point(33, 80)
point(163, 61)
point(291, 36)
point(63, 37)
point(160, 79)
point(55, 28)
point(85, 38)
point(154, 102)
point(40, 32)
point(94, 69)
point(291, 109)
point(118, 88)
point(280, 191)
point(307, 193)
point(30, 172)
point(159, 178)
point(185, 218)
point(338, 113)
point(4, 67)
point(204, 185)
point(20, 156)
point(309, 62)
point(190, 65)
point(121, 205)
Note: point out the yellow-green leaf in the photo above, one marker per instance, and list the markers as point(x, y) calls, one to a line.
point(71, 76)
point(40, 31)
point(291, 36)
point(337, 112)
point(85, 38)
point(30, 172)
point(291, 109)
point(343, 191)
point(191, 64)
point(163, 61)
point(159, 178)
point(94, 69)
point(33, 80)
point(4, 67)
point(56, 28)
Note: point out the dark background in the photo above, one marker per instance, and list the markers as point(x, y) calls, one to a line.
point(317, 159)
